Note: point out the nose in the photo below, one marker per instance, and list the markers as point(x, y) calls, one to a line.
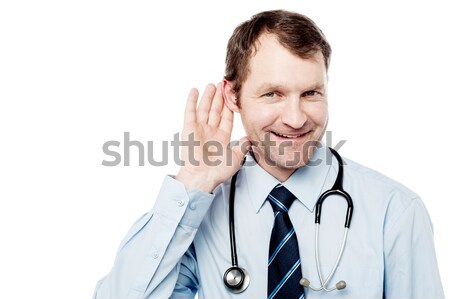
point(293, 114)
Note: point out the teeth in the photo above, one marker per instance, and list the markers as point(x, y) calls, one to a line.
point(288, 136)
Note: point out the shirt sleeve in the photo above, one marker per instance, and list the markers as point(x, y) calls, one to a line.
point(411, 269)
point(149, 258)
point(187, 284)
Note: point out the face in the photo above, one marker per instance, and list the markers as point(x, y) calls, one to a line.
point(283, 106)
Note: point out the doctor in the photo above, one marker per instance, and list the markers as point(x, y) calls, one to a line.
point(276, 79)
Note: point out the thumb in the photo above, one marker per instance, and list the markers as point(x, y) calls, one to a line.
point(241, 148)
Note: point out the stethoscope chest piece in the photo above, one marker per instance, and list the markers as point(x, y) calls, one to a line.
point(236, 279)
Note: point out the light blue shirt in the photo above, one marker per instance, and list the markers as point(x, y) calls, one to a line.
point(182, 246)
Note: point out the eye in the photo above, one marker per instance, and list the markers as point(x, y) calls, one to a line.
point(310, 93)
point(269, 94)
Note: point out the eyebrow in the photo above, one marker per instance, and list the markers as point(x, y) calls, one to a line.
point(268, 86)
point(264, 87)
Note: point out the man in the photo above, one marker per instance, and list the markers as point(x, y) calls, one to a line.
point(276, 78)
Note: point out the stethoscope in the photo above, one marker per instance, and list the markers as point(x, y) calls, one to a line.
point(237, 279)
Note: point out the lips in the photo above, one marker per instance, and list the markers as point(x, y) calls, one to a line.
point(289, 136)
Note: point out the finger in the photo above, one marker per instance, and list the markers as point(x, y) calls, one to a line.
point(226, 121)
point(191, 106)
point(216, 107)
point(205, 103)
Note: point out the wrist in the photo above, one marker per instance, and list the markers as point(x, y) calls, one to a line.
point(195, 181)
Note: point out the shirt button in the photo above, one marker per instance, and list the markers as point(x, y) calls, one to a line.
point(192, 206)
point(155, 255)
point(180, 202)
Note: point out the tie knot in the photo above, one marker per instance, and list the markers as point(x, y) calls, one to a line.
point(281, 198)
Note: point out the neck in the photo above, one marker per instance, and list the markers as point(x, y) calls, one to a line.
point(280, 173)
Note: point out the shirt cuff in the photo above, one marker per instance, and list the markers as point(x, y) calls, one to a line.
point(188, 207)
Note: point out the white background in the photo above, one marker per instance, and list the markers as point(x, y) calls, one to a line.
point(75, 74)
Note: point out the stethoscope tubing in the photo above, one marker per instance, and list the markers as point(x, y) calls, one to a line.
point(242, 275)
point(323, 284)
point(234, 258)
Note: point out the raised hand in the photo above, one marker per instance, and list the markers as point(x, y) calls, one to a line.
point(207, 155)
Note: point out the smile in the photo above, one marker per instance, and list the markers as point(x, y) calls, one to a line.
point(289, 136)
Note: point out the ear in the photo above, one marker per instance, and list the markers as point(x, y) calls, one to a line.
point(229, 96)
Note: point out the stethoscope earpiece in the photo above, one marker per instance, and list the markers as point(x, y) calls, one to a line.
point(304, 282)
point(341, 285)
point(307, 284)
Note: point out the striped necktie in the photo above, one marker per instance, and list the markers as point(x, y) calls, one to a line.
point(284, 259)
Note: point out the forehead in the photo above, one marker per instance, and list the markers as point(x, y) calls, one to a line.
point(272, 62)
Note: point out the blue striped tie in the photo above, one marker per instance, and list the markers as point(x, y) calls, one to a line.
point(284, 259)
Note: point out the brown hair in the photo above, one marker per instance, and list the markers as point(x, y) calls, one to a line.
point(296, 32)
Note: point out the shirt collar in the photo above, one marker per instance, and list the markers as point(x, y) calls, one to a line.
point(306, 183)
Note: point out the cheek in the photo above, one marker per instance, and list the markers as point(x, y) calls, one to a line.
point(318, 113)
point(258, 116)
point(266, 113)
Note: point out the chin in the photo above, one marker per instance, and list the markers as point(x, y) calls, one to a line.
point(296, 157)
point(292, 162)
